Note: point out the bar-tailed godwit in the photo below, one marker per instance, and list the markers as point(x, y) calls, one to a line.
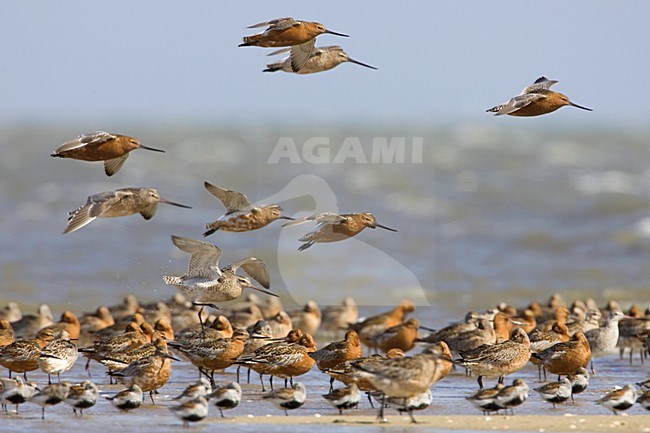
point(118, 203)
point(113, 149)
point(535, 100)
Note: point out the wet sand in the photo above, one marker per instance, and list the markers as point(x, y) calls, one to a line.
point(540, 423)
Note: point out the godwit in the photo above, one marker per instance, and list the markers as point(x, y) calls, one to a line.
point(260, 359)
point(555, 392)
point(370, 328)
point(127, 399)
point(336, 353)
point(333, 227)
point(11, 312)
point(226, 397)
point(337, 317)
point(287, 32)
point(603, 340)
point(58, 356)
point(288, 398)
point(93, 322)
point(205, 283)
point(535, 100)
point(113, 149)
point(21, 356)
point(566, 358)
point(69, 323)
point(307, 319)
point(498, 360)
point(401, 377)
point(483, 333)
point(344, 398)
point(321, 59)
point(400, 336)
point(241, 215)
point(118, 203)
point(191, 411)
point(620, 399)
point(542, 340)
point(209, 355)
point(151, 372)
point(6, 333)
point(50, 395)
point(280, 324)
point(30, 324)
point(82, 396)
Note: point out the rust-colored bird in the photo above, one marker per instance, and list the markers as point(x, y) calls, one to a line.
point(113, 149)
point(321, 59)
point(118, 203)
point(241, 215)
point(535, 100)
point(287, 32)
point(332, 227)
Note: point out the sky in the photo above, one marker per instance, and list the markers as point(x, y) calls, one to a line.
point(439, 61)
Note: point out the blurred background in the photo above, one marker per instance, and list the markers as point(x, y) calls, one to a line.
point(505, 208)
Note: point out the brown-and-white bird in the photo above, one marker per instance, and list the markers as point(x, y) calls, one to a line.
point(118, 203)
point(241, 215)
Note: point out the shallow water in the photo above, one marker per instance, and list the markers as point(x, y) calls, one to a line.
point(513, 212)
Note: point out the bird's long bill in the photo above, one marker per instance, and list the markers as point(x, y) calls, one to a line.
point(426, 328)
point(284, 217)
point(356, 62)
point(385, 228)
point(152, 148)
point(266, 292)
point(167, 355)
point(337, 34)
point(162, 200)
point(579, 106)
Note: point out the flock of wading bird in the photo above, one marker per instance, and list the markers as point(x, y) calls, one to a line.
point(261, 336)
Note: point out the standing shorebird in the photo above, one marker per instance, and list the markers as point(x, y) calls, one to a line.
point(151, 372)
point(58, 356)
point(241, 215)
point(535, 100)
point(603, 340)
point(485, 399)
point(401, 378)
point(205, 283)
point(15, 391)
point(113, 149)
point(226, 397)
point(344, 398)
point(619, 399)
point(191, 411)
point(555, 392)
point(332, 227)
point(498, 360)
point(22, 356)
point(321, 59)
point(82, 396)
point(288, 398)
point(567, 357)
point(118, 203)
point(50, 395)
point(127, 399)
point(287, 32)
